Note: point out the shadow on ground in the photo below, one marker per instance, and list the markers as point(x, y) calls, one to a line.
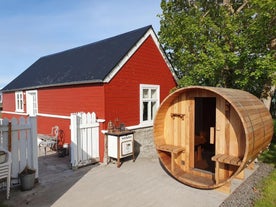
point(55, 178)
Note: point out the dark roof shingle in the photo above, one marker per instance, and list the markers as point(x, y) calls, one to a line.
point(88, 63)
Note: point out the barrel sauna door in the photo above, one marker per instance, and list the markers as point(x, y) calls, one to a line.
point(204, 125)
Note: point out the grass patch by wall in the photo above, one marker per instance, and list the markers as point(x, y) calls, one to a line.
point(268, 187)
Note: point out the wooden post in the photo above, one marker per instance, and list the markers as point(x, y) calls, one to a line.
point(212, 135)
point(9, 137)
point(74, 133)
point(226, 188)
point(34, 154)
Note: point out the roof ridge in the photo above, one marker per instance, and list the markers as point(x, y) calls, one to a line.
point(99, 41)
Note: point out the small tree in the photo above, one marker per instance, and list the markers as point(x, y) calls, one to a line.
point(229, 43)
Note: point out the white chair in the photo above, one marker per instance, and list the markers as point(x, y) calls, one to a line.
point(5, 170)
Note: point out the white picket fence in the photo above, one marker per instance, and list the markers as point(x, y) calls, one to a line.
point(84, 139)
point(20, 136)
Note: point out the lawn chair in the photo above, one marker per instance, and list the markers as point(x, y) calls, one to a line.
point(49, 140)
point(5, 170)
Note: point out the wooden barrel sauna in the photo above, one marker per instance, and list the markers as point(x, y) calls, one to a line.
point(205, 136)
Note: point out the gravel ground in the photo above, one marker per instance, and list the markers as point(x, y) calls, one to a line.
point(247, 193)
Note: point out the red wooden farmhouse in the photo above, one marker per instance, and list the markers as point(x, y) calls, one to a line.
point(120, 78)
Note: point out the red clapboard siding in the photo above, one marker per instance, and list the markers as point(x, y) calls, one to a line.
point(68, 99)
point(46, 123)
point(9, 101)
point(146, 66)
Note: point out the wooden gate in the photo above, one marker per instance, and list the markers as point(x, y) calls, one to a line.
point(84, 139)
point(19, 136)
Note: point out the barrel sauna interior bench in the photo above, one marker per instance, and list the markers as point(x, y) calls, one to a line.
point(206, 136)
point(227, 159)
point(173, 150)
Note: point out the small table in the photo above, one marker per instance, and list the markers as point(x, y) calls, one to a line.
point(120, 144)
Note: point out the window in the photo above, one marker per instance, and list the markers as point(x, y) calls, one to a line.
point(149, 102)
point(19, 104)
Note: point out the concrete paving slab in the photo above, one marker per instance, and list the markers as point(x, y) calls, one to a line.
point(143, 183)
point(139, 183)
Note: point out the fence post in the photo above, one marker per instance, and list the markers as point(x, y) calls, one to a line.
point(74, 134)
point(9, 136)
point(33, 123)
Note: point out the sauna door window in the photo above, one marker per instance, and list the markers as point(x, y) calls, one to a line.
point(204, 147)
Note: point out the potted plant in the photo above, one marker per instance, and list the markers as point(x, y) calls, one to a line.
point(27, 178)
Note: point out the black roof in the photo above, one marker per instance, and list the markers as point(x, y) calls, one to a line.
point(88, 63)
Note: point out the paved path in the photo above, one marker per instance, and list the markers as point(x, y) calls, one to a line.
point(140, 183)
point(143, 183)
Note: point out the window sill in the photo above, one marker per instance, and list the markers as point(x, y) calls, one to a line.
point(141, 125)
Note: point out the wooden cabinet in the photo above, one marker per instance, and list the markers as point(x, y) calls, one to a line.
point(120, 145)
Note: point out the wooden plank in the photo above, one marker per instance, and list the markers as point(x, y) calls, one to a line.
point(212, 135)
point(74, 134)
point(227, 159)
point(170, 148)
point(22, 146)
point(191, 136)
point(227, 110)
point(15, 152)
point(226, 188)
point(33, 137)
point(186, 138)
point(29, 142)
point(240, 176)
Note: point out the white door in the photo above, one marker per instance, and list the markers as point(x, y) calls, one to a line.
point(31, 99)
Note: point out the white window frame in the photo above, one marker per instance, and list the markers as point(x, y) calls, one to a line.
point(19, 101)
point(32, 102)
point(149, 100)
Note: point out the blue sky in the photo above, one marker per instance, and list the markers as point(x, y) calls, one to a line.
point(31, 29)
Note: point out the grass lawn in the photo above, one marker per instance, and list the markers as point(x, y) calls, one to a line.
point(268, 187)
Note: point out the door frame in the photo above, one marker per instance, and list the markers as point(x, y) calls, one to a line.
point(32, 102)
point(209, 131)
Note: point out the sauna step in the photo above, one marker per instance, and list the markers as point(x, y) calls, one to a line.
point(196, 180)
point(227, 159)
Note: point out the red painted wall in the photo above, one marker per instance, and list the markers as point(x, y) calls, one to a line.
point(66, 100)
point(61, 101)
point(122, 94)
point(9, 101)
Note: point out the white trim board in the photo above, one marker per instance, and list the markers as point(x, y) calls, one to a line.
point(151, 33)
